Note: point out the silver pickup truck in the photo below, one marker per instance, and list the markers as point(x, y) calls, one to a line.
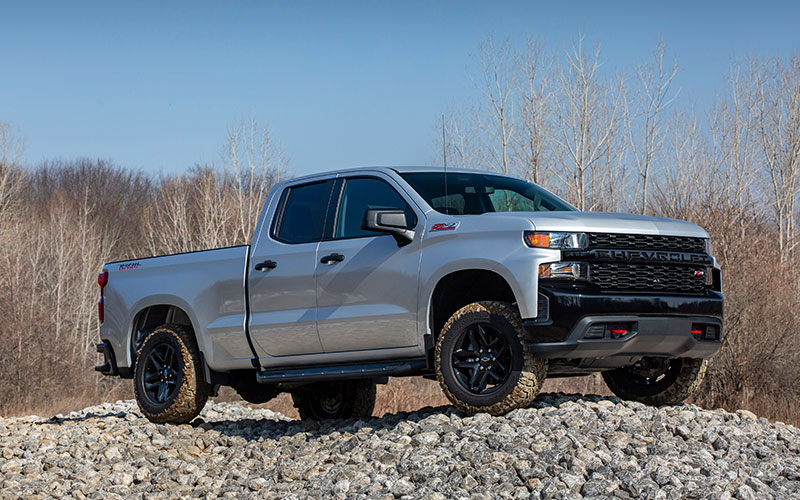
point(485, 282)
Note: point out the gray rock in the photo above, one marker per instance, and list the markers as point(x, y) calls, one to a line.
point(562, 447)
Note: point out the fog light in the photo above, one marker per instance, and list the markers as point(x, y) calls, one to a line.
point(562, 270)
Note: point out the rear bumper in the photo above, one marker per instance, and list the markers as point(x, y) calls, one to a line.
point(582, 326)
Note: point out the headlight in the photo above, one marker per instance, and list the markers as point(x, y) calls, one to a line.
point(555, 240)
point(708, 246)
point(562, 270)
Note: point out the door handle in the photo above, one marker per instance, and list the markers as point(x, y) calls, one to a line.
point(334, 257)
point(267, 264)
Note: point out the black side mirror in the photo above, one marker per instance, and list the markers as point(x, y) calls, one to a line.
point(388, 222)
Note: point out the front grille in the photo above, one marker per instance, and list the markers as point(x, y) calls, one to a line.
point(646, 277)
point(613, 241)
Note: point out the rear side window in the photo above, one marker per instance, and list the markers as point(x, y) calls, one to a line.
point(304, 211)
point(365, 193)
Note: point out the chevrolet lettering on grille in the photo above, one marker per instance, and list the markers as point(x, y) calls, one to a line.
point(648, 256)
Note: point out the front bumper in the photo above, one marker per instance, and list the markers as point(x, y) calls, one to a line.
point(578, 325)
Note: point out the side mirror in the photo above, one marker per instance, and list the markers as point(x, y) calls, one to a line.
point(388, 222)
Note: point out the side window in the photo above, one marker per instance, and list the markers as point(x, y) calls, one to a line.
point(362, 194)
point(303, 217)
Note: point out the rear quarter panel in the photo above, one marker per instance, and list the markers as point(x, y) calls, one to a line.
point(207, 285)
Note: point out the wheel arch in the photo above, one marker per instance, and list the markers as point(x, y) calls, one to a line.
point(457, 288)
point(154, 312)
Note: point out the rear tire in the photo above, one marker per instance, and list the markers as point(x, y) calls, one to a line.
point(341, 399)
point(483, 363)
point(168, 380)
point(656, 381)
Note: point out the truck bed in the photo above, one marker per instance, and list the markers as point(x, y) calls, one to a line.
point(211, 281)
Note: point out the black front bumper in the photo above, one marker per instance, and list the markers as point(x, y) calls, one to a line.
point(580, 325)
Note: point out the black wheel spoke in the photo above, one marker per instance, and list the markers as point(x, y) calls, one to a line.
point(473, 343)
point(482, 337)
point(464, 353)
point(495, 375)
point(482, 383)
point(474, 379)
point(163, 392)
point(465, 364)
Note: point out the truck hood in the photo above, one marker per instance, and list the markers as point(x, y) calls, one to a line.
point(608, 222)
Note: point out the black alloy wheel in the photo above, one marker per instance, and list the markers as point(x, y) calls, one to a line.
point(482, 360)
point(161, 373)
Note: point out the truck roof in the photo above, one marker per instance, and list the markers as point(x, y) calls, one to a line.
point(397, 169)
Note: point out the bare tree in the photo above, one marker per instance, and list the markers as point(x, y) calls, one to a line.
point(651, 97)
point(255, 164)
point(462, 140)
point(735, 140)
point(497, 85)
point(777, 122)
point(10, 174)
point(687, 178)
point(214, 207)
point(535, 97)
point(588, 110)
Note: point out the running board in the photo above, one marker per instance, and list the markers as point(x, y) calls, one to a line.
point(340, 372)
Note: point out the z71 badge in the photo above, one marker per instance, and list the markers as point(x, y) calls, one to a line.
point(444, 227)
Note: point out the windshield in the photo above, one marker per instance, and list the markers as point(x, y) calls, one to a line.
point(474, 194)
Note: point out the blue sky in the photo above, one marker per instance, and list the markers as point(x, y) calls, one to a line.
point(155, 85)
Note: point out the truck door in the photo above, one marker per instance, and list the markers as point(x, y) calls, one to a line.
point(366, 283)
point(281, 282)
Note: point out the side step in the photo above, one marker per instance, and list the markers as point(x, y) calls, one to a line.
point(340, 372)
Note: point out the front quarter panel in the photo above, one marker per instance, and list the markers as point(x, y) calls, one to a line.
point(485, 243)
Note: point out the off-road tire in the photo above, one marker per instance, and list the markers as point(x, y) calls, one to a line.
point(353, 399)
point(527, 372)
point(191, 393)
point(685, 382)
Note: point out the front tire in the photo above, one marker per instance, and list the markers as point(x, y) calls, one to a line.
point(341, 399)
point(482, 360)
point(657, 381)
point(168, 380)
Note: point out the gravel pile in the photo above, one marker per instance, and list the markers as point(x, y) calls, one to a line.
point(562, 447)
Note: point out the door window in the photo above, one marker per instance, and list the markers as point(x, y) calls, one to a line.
point(303, 217)
point(366, 193)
